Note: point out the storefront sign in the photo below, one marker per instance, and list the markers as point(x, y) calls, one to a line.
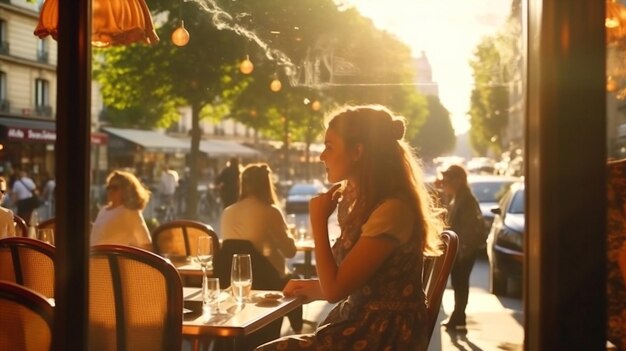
point(47, 136)
point(31, 134)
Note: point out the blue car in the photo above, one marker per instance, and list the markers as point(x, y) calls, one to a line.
point(299, 195)
point(505, 244)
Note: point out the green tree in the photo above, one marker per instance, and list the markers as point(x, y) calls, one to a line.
point(149, 82)
point(436, 136)
point(489, 99)
point(316, 50)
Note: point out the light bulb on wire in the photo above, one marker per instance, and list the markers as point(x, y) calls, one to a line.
point(180, 37)
point(275, 85)
point(315, 105)
point(246, 66)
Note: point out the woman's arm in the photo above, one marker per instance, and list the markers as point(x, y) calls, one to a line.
point(309, 288)
point(363, 260)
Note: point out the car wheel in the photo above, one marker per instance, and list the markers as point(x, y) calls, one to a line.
point(498, 283)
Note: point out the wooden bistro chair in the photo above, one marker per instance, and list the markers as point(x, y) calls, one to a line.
point(21, 228)
point(135, 301)
point(178, 240)
point(26, 319)
point(28, 262)
point(436, 271)
point(49, 223)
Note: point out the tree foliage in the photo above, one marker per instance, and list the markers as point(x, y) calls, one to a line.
point(489, 99)
point(436, 136)
point(497, 68)
point(317, 51)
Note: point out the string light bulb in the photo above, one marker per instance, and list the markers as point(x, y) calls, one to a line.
point(315, 105)
point(275, 85)
point(180, 37)
point(246, 66)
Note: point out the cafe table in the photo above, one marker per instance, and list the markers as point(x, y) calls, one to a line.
point(190, 268)
point(241, 320)
point(307, 246)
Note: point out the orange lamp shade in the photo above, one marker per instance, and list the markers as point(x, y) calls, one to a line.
point(615, 21)
point(114, 22)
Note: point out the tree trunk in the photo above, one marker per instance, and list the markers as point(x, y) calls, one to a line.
point(194, 171)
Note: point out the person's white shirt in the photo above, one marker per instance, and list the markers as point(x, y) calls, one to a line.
point(263, 225)
point(23, 188)
point(122, 226)
point(169, 182)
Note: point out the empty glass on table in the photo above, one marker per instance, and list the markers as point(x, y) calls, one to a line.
point(241, 277)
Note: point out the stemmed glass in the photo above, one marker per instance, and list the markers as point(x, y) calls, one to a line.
point(241, 277)
point(211, 298)
point(204, 252)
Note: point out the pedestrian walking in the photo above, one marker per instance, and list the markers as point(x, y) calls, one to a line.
point(465, 219)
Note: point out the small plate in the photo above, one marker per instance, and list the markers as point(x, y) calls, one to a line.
point(270, 298)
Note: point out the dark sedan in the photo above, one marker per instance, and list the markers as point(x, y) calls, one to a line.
point(488, 190)
point(506, 240)
point(299, 195)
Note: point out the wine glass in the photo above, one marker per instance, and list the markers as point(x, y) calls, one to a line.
point(241, 277)
point(204, 252)
point(302, 232)
point(291, 224)
point(211, 298)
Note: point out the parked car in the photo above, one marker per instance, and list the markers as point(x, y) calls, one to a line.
point(299, 195)
point(488, 190)
point(506, 240)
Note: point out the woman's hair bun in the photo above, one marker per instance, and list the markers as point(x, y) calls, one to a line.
point(397, 129)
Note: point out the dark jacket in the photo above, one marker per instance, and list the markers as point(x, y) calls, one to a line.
point(466, 220)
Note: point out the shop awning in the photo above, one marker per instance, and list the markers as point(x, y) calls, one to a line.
point(27, 129)
point(217, 148)
point(149, 140)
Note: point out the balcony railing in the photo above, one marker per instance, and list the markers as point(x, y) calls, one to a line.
point(5, 105)
point(42, 55)
point(4, 47)
point(44, 110)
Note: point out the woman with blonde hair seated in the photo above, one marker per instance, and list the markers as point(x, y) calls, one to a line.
point(120, 221)
point(7, 227)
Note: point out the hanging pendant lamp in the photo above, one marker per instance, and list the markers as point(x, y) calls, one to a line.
point(114, 22)
point(615, 21)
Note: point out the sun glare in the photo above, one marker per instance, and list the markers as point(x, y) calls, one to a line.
point(448, 32)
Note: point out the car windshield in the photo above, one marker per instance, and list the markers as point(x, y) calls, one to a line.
point(305, 189)
point(489, 191)
point(517, 204)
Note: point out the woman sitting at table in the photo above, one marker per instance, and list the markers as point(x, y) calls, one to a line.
point(7, 226)
point(373, 271)
point(120, 221)
point(257, 218)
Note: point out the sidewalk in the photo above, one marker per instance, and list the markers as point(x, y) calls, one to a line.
point(492, 324)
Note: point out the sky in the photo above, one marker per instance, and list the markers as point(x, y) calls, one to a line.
point(448, 31)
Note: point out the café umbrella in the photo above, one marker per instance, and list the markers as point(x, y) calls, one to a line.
point(114, 22)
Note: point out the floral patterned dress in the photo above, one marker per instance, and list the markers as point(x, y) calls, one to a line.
point(616, 239)
point(387, 313)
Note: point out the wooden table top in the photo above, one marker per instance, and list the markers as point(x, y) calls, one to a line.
point(242, 320)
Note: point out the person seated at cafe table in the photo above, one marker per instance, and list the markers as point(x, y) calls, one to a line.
point(7, 227)
point(257, 218)
point(373, 271)
point(121, 220)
